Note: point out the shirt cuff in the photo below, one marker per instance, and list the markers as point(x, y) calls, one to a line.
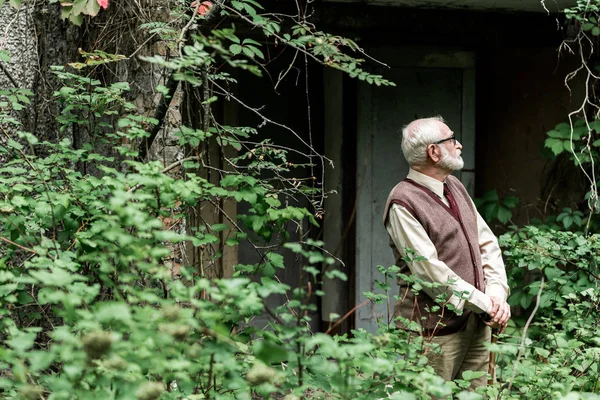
point(476, 301)
point(496, 290)
point(479, 302)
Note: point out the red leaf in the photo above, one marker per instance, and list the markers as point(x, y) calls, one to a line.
point(203, 7)
point(103, 3)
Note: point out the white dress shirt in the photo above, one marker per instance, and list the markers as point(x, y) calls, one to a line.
point(407, 232)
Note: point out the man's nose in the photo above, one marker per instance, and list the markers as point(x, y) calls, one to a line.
point(458, 145)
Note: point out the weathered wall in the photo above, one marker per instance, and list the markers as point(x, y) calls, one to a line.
point(521, 96)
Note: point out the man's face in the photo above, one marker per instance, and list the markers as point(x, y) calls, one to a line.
point(451, 150)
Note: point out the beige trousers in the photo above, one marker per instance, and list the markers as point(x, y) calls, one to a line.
point(463, 351)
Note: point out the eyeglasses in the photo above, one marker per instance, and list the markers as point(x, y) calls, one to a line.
point(453, 138)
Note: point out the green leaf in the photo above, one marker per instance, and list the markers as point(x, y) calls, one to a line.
point(504, 214)
point(556, 134)
point(22, 342)
point(567, 146)
point(40, 360)
point(19, 201)
point(235, 49)
point(276, 259)
point(257, 223)
point(335, 273)
point(542, 352)
point(257, 51)
point(270, 353)
point(219, 227)
point(56, 277)
point(76, 19)
point(491, 196)
point(250, 41)
point(556, 145)
point(248, 52)
point(470, 375)
point(42, 209)
point(596, 31)
point(272, 202)
point(92, 8)
point(14, 144)
point(316, 258)
point(295, 247)
point(79, 6)
point(111, 311)
point(312, 270)
point(490, 211)
point(510, 201)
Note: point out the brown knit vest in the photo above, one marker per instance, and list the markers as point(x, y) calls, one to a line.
point(456, 242)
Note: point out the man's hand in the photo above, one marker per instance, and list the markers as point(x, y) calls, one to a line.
point(500, 312)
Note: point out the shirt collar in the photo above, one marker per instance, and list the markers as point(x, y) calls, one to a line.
point(430, 183)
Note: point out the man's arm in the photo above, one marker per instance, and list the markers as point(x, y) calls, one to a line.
point(493, 272)
point(491, 258)
point(407, 232)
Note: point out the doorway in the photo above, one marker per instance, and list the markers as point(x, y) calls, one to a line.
point(429, 82)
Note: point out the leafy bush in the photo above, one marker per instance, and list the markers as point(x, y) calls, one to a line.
point(92, 306)
point(553, 348)
point(90, 309)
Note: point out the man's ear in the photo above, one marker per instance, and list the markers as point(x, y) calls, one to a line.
point(434, 153)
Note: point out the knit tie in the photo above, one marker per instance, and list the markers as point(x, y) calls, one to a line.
point(452, 202)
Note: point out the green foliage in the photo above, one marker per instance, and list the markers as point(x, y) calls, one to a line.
point(575, 140)
point(559, 353)
point(88, 304)
point(492, 207)
point(585, 12)
point(581, 142)
point(90, 307)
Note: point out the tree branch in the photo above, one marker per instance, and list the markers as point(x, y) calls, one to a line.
point(18, 245)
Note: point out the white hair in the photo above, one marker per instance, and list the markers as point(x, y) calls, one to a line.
point(417, 135)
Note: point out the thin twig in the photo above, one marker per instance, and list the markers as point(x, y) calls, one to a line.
point(7, 73)
point(524, 335)
point(18, 245)
point(166, 169)
point(339, 321)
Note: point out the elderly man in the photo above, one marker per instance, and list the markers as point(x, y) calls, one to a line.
point(431, 213)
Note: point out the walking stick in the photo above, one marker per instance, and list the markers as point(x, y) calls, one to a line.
point(492, 362)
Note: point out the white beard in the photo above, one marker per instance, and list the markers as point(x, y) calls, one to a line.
point(450, 163)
